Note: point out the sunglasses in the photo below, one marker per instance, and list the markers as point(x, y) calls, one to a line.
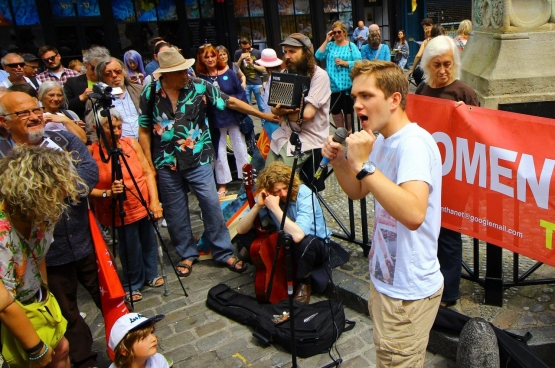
point(49, 59)
point(16, 65)
point(25, 114)
point(337, 32)
point(108, 73)
point(31, 66)
point(205, 45)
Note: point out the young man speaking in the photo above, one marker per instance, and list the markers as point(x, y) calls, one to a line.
point(401, 168)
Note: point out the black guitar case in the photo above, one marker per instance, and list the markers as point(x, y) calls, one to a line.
point(317, 326)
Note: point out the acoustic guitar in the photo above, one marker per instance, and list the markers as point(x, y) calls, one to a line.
point(263, 251)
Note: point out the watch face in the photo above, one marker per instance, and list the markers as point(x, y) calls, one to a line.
point(369, 167)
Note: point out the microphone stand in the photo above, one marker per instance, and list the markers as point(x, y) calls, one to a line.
point(285, 239)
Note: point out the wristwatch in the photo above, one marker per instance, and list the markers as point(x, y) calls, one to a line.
point(105, 194)
point(368, 168)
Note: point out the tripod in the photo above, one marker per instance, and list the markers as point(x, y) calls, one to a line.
point(116, 155)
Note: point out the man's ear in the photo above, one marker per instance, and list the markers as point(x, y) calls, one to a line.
point(395, 100)
point(3, 122)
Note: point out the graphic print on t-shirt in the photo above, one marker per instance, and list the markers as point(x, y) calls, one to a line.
point(383, 254)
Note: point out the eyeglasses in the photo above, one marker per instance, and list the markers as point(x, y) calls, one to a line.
point(337, 32)
point(108, 73)
point(25, 114)
point(31, 66)
point(49, 59)
point(16, 65)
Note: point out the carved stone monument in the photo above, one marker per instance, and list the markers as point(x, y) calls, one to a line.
point(510, 54)
point(478, 345)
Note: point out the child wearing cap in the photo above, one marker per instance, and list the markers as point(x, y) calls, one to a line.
point(133, 341)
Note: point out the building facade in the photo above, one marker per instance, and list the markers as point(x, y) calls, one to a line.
point(120, 25)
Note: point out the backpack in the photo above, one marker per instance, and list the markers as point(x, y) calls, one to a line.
point(317, 326)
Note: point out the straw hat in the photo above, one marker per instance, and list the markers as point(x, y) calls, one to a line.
point(171, 60)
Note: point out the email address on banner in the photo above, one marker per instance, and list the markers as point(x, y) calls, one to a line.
point(481, 221)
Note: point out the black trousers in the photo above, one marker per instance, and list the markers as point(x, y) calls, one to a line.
point(311, 255)
point(62, 281)
point(449, 254)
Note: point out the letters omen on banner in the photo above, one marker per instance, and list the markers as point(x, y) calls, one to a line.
point(498, 174)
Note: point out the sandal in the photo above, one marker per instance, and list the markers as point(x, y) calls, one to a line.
point(155, 282)
point(188, 267)
point(232, 267)
point(137, 296)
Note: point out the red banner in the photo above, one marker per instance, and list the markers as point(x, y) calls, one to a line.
point(498, 172)
point(111, 291)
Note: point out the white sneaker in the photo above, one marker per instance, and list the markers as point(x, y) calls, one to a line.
point(164, 223)
point(83, 315)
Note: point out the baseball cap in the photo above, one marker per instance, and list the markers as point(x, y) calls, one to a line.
point(127, 323)
point(298, 40)
point(29, 57)
point(268, 58)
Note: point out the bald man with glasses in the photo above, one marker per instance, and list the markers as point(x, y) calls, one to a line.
point(13, 64)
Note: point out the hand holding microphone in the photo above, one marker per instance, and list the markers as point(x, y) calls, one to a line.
point(339, 137)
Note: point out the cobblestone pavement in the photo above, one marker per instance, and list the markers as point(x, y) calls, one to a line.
point(195, 336)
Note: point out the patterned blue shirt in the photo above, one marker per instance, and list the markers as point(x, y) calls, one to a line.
point(339, 75)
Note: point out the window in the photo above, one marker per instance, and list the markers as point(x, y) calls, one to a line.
point(250, 22)
point(294, 17)
point(72, 8)
point(341, 10)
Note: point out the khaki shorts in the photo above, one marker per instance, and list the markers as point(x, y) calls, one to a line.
point(402, 328)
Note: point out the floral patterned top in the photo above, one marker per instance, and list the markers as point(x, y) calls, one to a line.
point(19, 258)
point(181, 138)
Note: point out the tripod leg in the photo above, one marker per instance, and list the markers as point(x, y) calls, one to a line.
point(162, 268)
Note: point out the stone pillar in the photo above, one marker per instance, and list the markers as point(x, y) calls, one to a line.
point(510, 54)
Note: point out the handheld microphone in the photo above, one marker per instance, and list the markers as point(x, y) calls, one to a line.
point(340, 135)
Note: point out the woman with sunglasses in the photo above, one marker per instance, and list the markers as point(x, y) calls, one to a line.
point(340, 56)
point(212, 68)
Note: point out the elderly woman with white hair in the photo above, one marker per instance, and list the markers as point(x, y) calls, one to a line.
point(52, 97)
point(442, 65)
point(138, 257)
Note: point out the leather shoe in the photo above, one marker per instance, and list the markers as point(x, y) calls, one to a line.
point(303, 293)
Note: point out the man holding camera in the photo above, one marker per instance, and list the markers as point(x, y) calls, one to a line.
point(128, 95)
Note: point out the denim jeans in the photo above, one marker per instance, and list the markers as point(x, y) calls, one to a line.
point(175, 202)
point(142, 248)
point(449, 254)
point(256, 88)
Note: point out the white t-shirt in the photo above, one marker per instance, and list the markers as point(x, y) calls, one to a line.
point(403, 263)
point(155, 361)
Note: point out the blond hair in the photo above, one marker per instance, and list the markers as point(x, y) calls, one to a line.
point(340, 24)
point(389, 77)
point(278, 172)
point(36, 182)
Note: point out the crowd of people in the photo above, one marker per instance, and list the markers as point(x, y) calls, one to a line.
point(171, 120)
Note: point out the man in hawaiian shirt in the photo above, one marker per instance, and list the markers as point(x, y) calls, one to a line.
point(173, 132)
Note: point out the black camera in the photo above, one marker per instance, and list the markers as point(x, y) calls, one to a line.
point(102, 91)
